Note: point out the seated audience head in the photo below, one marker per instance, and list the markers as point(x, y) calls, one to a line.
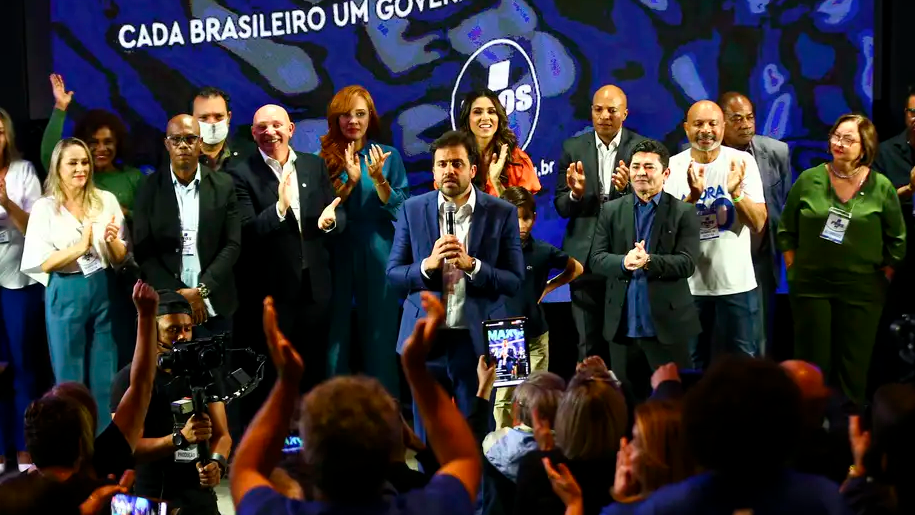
point(658, 450)
point(527, 208)
point(8, 150)
point(70, 174)
point(648, 168)
point(540, 392)
point(174, 320)
point(743, 417)
point(272, 130)
point(592, 417)
point(106, 136)
point(182, 140)
point(211, 109)
point(351, 117)
point(807, 377)
point(59, 432)
point(483, 116)
point(739, 119)
point(909, 111)
point(349, 427)
point(891, 456)
point(609, 109)
point(704, 126)
point(454, 163)
point(853, 141)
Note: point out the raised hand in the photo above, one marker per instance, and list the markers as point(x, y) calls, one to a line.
point(486, 377)
point(145, 298)
point(496, 164)
point(575, 179)
point(666, 372)
point(860, 442)
point(621, 177)
point(4, 197)
point(418, 344)
point(592, 362)
point(735, 177)
point(695, 177)
point(86, 241)
point(288, 363)
point(99, 501)
point(197, 305)
point(62, 97)
point(112, 230)
point(352, 164)
point(564, 485)
point(329, 215)
point(624, 483)
point(375, 163)
point(637, 257)
point(285, 192)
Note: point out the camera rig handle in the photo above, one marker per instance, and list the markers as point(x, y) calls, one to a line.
point(199, 403)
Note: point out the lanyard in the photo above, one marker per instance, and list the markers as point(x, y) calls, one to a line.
point(853, 201)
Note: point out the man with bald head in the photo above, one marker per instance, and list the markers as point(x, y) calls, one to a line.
point(593, 170)
point(288, 208)
point(725, 186)
point(774, 162)
point(187, 229)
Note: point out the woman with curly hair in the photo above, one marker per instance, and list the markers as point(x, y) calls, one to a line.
point(372, 181)
point(501, 162)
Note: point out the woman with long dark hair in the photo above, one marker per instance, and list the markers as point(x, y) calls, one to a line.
point(372, 181)
point(502, 163)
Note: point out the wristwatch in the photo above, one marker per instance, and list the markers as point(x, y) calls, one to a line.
point(204, 291)
point(180, 441)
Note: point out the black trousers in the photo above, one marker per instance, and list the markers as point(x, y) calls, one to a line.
point(635, 359)
point(587, 293)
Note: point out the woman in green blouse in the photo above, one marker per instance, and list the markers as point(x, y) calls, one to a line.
point(842, 235)
point(106, 136)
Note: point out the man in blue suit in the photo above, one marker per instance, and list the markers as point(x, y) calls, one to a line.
point(774, 162)
point(473, 270)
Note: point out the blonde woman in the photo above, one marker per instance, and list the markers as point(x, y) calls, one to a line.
point(75, 234)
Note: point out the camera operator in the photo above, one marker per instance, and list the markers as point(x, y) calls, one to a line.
point(168, 465)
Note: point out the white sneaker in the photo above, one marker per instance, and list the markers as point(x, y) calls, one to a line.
point(23, 467)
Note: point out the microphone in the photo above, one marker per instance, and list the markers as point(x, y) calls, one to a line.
point(450, 209)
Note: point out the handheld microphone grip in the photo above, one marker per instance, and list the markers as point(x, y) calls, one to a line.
point(450, 210)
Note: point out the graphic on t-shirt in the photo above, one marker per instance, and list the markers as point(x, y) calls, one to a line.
point(715, 201)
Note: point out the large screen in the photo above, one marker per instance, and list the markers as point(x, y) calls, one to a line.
point(803, 63)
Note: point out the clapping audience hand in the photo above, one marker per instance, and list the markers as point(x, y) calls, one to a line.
point(666, 372)
point(565, 486)
point(288, 363)
point(486, 377)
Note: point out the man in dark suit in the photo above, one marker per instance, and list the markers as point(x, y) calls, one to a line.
point(474, 268)
point(187, 230)
point(593, 171)
point(774, 162)
point(287, 208)
point(646, 245)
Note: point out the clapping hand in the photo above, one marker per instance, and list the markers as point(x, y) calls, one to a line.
point(145, 299)
point(565, 486)
point(624, 482)
point(329, 215)
point(486, 377)
point(418, 345)
point(621, 177)
point(735, 177)
point(637, 257)
point(352, 164)
point(860, 442)
point(86, 241)
point(575, 179)
point(112, 230)
point(496, 164)
point(285, 191)
point(695, 177)
point(4, 198)
point(288, 363)
point(667, 372)
point(375, 163)
point(62, 97)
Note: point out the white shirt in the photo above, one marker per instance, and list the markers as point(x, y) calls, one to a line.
point(189, 215)
point(279, 170)
point(725, 264)
point(52, 228)
point(454, 289)
point(23, 189)
point(606, 160)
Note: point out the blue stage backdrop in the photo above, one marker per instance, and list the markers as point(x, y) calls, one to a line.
point(803, 63)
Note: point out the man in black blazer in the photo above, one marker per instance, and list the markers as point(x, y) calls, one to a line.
point(646, 245)
point(593, 171)
point(187, 230)
point(287, 208)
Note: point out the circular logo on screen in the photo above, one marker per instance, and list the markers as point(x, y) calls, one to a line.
point(504, 67)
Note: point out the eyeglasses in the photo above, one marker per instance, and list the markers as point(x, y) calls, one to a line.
point(910, 110)
point(845, 141)
point(176, 141)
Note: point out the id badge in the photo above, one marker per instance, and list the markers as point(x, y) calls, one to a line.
point(4, 235)
point(188, 243)
point(836, 225)
point(708, 226)
point(89, 263)
point(188, 455)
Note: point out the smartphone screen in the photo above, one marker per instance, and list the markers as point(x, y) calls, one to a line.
point(508, 350)
point(123, 504)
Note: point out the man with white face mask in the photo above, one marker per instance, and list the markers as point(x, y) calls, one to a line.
point(211, 109)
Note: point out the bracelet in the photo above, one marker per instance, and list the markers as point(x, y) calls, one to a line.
point(382, 183)
point(221, 461)
point(738, 198)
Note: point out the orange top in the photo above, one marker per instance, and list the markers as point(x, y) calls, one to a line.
point(521, 174)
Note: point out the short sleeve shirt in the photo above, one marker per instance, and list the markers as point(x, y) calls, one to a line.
point(444, 495)
point(725, 263)
point(539, 259)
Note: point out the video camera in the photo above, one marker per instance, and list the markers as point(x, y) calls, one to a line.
point(195, 358)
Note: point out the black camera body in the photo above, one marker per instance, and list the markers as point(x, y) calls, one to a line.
point(195, 358)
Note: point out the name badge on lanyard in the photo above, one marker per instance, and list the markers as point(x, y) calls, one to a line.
point(836, 225)
point(89, 262)
point(708, 223)
point(4, 235)
point(188, 242)
point(188, 455)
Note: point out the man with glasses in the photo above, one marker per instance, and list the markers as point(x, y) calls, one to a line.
point(774, 162)
point(593, 171)
point(187, 229)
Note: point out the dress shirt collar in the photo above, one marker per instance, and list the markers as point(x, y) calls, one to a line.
point(273, 162)
point(195, 182)
point(614, 143)
point(471, 201)
point(655, 199)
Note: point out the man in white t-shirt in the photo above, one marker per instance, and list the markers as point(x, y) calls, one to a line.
point(725, 186)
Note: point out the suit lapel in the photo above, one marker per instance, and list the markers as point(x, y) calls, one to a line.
point(628, 207)
point(590, 164)
point(478, 224)
point(207, 204)
point(660, 223)
point(265, 175)
point(431, 211)
point(762, 162)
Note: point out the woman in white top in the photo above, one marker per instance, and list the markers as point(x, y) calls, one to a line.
point(75, 234)
point(20, 296)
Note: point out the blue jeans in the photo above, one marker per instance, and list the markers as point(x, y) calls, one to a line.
point(79, 326)
point(731, 321)
point(20, 316)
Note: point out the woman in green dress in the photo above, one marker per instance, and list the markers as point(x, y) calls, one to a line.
point(842, 235)
point(106, 136)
